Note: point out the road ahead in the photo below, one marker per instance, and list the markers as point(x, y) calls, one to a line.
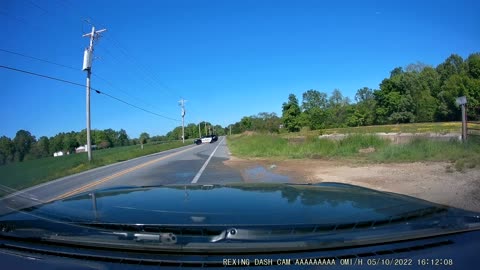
point(202, 164)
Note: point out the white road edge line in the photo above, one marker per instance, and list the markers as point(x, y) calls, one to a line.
point(195, 179)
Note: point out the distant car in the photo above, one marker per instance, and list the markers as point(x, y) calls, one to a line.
point(207, 139)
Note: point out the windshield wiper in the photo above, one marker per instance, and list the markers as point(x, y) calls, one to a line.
point(227, 240)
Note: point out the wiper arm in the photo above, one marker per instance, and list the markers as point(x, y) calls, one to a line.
point(166, 238)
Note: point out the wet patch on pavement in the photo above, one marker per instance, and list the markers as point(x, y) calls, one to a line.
point(262, 175)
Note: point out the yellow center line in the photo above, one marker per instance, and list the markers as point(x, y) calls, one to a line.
point(113, 176)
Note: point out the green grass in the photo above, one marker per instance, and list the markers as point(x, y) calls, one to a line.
point(21, 175)
point(274, 146)
point(446, 127)
point(427, 150)
point(463, 156)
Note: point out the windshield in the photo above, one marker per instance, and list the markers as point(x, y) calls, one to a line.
point(235, 126)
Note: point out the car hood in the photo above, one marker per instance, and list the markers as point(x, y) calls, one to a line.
point(240, 204)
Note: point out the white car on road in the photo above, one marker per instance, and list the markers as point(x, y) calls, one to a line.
point(207, 139)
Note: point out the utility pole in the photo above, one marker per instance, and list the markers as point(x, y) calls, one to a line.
point(230, 130)
point(199, 131)
point(205, 123)
point(182, 104)
point(462, 101)
point(87, 66)
point(464, 123)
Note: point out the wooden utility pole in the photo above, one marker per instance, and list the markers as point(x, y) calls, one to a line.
point(462, 101)
point(182, 104)
point(87, 66)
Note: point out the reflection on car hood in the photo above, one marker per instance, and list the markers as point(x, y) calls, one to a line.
point(238, 204)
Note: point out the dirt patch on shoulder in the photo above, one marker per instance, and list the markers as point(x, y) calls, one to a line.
point(429, 181)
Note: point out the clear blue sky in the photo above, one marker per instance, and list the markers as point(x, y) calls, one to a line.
point(227, 58)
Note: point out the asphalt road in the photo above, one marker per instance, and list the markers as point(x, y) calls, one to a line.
point(201, 164)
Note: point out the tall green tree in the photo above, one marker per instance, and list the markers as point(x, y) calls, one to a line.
point(453, 65)
point(364, 110)
point(70, 142)
point(7, 150)
point(23, 142)
point(270, 122)
point(424, 86)
point(246, 123)
point(191, 131)
point(394, 99)
point(338, 109)
point(473, 66)
point(313, 99)
point(314, 106)
point(364, 94)
point(291, 114)
point(122, 138)
point(455, 86)
point(175, 134)
point(219, 130)
point(144, 137)
point(40, 149)
point(56, 142)
point(111, 137)
point(82, 137)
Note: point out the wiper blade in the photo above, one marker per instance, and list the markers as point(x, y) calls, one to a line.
point(240, 242)
point(232, 239)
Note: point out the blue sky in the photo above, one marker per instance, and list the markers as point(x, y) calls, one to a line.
point(227, 58)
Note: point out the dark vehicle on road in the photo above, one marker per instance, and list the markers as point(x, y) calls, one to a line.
point(264, 225)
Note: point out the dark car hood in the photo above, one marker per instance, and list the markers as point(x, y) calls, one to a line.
point(236, 218)
point(238, 204)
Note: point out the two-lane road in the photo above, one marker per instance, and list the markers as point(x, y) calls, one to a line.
point(201, 164)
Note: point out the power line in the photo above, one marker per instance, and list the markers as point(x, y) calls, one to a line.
point(145, 110)
point(39, 59)
point(19, 19)
point(147, 73)
point(123, 91)
point(82, 85)
point(37, 6)
point(43, 76)
point(144, 69)
point(138, 70)
point(76, 69)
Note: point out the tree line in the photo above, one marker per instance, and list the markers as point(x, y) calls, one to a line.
point(417, 93)
point(25, 146)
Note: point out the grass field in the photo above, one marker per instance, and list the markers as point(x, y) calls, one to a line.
point(446, 127)
point(462, 156)
point(21, 175)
